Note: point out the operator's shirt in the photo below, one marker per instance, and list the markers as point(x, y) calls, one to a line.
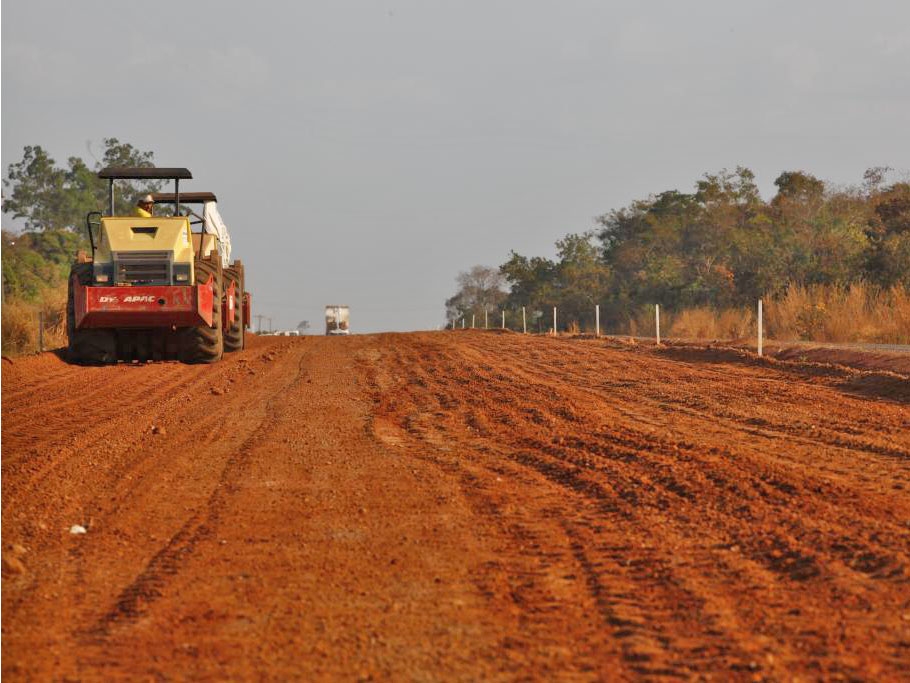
point(141, 213)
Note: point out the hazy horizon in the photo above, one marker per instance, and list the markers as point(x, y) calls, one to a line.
point(366, 153)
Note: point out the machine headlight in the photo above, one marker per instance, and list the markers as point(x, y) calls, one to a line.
point(181, 273)
point(103, 272)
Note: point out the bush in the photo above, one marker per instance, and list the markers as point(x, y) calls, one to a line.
point(19, 327)
point(707, 323)
point(694, 323)
point(641, 323)
point(860, 313)
point(829, 313)
point(20, 322)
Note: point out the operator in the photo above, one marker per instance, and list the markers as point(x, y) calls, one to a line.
point(144, 207)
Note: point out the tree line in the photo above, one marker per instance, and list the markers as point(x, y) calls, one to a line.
point(719, 246)
point(51, 200)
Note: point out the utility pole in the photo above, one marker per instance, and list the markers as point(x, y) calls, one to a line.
point(259, 318)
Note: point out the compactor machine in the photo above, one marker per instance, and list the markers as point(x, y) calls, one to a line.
point(152, 288)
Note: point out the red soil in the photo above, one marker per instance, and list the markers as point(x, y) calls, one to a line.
point(456, 506)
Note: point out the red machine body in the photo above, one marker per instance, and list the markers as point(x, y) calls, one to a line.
point(229, 311)
point(247, 306)
point(148, 306)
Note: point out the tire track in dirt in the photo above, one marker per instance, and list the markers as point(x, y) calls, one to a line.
point(78, 430)
point(642, 643)
point(620, 495)
point(95, 487)
point(717, 400)
point(55, 429)
point(137, 597)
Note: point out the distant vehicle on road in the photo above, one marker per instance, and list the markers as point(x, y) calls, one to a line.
point(337, 319)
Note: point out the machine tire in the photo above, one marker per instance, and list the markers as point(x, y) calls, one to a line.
point(89, 346)
point(203, 344)
point(233, 335)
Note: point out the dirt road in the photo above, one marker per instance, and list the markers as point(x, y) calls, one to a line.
point(456, 506)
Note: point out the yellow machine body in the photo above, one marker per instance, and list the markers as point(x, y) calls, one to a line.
point(132, 250)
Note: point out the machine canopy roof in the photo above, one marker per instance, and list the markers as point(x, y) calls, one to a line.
point(185, 197)
point(144, 173)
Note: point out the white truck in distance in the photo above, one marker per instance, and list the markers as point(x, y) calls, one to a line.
point(336, 320)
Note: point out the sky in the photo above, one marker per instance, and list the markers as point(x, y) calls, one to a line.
point(365, 152)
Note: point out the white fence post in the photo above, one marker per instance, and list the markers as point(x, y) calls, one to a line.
point(462, 322)
point(759, 328)
point(657, 321)
point(554, 321)
point(472, 321)
point(503, 320)
point(597, 320)
point(524, 321)
point(486, 324)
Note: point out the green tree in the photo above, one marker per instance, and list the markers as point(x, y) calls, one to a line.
point(34, 261)
point(818, 236)
point(53, 202)
point(479, 289)
point(36, 191)
point(653, 249)
point(582, 278)
point(799, 187)
point(531, 281)
point(887, 261)
point(49, 197)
